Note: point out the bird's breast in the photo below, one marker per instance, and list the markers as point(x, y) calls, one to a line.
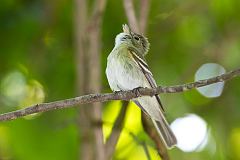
point(123, 72)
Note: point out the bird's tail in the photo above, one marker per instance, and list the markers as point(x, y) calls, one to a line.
point(165, 132)
point(148, 105)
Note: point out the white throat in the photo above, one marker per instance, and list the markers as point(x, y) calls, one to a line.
point(118, 39)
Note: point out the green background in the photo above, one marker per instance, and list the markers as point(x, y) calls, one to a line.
point(37, 64)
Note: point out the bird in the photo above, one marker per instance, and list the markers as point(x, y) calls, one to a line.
point(127, 69)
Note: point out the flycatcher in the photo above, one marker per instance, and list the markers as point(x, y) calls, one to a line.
point(127, 69)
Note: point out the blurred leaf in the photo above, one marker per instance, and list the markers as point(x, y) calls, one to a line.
point(195, 98)
point(235, 142)
point(232, 49)
point(110, 114)
point(4, 142)
point(13, 88)
point(37, 63)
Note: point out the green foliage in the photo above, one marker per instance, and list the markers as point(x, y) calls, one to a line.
point(37, 57)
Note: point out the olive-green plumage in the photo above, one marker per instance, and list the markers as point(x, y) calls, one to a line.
point(127, 69)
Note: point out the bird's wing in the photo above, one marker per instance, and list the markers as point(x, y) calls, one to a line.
point(145, 69)
point(165, 132)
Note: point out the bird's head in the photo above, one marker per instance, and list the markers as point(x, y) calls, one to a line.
point(133, 40)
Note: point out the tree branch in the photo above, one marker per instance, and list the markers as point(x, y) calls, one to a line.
point(130, 12)
point(147, 126)
point(144, 11)
point(121, 95)
point(94, 75)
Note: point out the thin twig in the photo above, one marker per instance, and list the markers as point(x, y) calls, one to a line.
point(121, 95)
point(145, 148)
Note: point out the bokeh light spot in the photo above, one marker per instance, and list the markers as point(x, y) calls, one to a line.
point(35, 94)
point(191, 132)
point(13, 87)
point(209, 70)
point(20, 91)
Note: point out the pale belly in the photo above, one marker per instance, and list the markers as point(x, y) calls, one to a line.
point(124, 74)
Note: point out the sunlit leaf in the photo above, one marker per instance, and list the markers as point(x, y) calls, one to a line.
point(110, 114)
point(235, 142)
point(132, 124)
point(4, 142)
point(139, 154)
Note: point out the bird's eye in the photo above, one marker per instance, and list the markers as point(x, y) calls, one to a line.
point(136, 38)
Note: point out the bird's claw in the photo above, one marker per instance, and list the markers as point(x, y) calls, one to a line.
point(116, 92)
point(137, 92)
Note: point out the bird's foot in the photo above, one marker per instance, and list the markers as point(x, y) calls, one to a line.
point(137, 92)
point(116, 92)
